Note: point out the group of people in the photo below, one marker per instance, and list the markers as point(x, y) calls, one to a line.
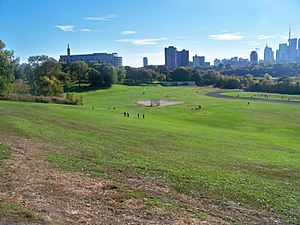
point(198, 107)
point(126, 114)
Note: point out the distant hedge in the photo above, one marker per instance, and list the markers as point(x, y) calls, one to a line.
point(70, 99)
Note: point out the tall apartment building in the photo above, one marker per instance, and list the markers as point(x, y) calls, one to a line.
point(171, 57)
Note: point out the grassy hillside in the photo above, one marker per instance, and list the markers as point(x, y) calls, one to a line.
point(238, 154)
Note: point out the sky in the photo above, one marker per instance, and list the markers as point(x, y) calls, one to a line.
point(138, 28)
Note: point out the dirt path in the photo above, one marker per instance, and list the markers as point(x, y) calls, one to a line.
point(219, 95)
point(75, 198)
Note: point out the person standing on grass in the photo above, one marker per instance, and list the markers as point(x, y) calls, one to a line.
point(138, 115)
point(128, 115)
point(143, 116)
point(124, 114)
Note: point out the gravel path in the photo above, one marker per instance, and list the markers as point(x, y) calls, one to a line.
point(219, 95)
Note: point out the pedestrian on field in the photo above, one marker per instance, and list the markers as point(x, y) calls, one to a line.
point(124, 114)
point(143, 116)
point(128, 115)
point(248, 103)
point(138, 115)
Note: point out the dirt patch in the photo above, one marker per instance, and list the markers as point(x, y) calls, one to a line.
point(75, 198)
point(161, 102)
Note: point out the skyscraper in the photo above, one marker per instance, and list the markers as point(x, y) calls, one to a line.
point(293, 49)
point(217, 62)
point(282, 53)
point(268, 55)
point(171, 57)
point(182, 58)
point(198, 61)
point(253, 57)
point(298, 59)
point(145, 61)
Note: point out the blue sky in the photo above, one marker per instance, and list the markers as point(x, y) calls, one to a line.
point(137, 28)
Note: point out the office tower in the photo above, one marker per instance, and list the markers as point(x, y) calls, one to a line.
point(253, 57)
point(268, 55)
point(217, 62)
point(145, 61)
point(171, 57)
point(182, 58)
point(198, 61)
point(282, 55)
point(292, 49)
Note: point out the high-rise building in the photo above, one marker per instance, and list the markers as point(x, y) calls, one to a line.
point(182, 58)
point(171, 57)
point(253, 57)
point(217, 62)
point(198, 61)
point(268, 55)
point(298, 59)
point(292, 49)
point(282, 53)
point(112, 59)
point(145, 61)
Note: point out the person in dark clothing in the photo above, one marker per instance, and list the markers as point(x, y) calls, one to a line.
point(128, 115)
point(124, 114)
point(138, 115)
point(143, 116)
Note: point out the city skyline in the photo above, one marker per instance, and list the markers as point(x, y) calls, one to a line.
point(47, 27)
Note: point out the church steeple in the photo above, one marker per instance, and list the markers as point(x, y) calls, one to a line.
point(69, 53)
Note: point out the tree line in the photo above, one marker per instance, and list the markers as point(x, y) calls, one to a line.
point(47, 77)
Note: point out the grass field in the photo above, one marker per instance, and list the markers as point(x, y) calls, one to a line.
point(245, 156)
point(258, 95)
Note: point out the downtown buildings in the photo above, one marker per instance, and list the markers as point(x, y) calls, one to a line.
point(289, 52)
point(174, 59)
point(106, 58)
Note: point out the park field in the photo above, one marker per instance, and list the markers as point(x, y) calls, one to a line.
point(226, 163)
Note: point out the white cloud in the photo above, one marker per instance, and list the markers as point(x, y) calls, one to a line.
point(66, 28)
point(128, 32)
point(227, 37)
point(264, 37)
point(85, 30)
point(284, 38)
point(146, 41)
point(253, 43)
point(102, 18)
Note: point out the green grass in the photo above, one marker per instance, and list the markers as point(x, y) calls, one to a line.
point(4, 153)
point(15, 213)
point(229, 151)
point(259, 95)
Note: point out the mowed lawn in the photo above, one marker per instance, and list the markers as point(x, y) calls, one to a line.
point(240, 154)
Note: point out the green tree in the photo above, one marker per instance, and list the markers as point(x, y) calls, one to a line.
point(47, 86)
point(6, 69)
point(95, 78)
point(79, 71)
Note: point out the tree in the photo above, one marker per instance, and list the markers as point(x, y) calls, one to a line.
point(121, 74)
point(79, 71)
point(181, 74)
point(6, 69)
point(95, 78)
point(47, 86)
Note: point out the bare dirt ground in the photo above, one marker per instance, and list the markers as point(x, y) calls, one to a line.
point(73, 198)
point(162, 102)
